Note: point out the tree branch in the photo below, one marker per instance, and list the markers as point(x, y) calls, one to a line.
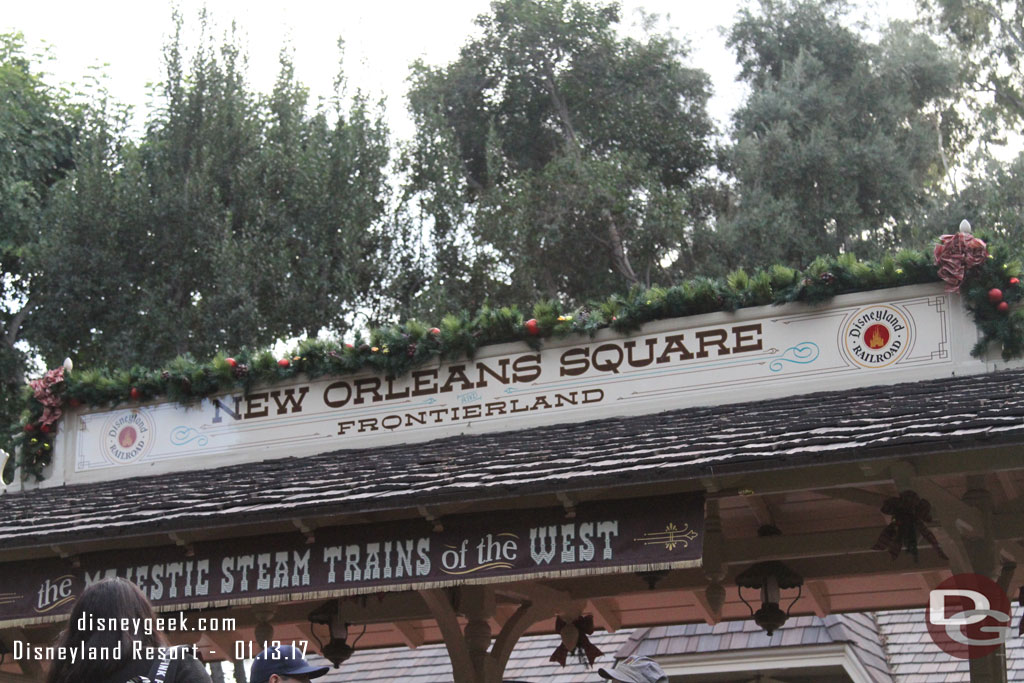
point(619, 257)
point(14, 326)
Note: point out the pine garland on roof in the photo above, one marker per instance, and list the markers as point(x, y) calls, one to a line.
point(394, 350)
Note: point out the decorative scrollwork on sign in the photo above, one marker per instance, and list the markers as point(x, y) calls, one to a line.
point(182, 435)
point(803, 353)
point(670, 537)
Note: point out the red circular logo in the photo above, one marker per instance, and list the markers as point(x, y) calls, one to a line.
point(127, 436)
point(968, 616)
point(876, 336)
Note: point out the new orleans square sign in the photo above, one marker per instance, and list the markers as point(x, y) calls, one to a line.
point(856, 340)
point(663, 532)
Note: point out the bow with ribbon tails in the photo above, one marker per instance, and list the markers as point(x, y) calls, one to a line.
point(575, 639)
point(956, 253)
point(910, 516)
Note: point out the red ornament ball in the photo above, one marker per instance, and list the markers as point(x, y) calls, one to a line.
point(284, 362)
point(532, 326)
point(995, 295)
point(1014, 282)
point(44, 428)
point(232, 363)
point(435, 331)
point(135, 394)
point(30, 428)
point(1003, 307)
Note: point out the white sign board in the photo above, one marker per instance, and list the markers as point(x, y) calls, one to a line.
point(857, 340)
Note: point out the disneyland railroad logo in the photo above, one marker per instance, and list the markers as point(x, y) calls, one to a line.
point(876, 336)
point(969, 616)
point(128, 436)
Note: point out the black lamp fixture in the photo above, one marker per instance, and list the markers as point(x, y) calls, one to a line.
point(337, 650)
point(771, 578)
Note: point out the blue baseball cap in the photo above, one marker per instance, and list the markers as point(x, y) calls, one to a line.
point(283, 660)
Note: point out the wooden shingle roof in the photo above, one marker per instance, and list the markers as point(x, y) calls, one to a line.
point(827, 427)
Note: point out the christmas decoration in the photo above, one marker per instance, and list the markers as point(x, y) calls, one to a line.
point(395, 350)
point(956, 253)
point(910, 516)
point(47, 390)
point(68, 365)
point(995, 295)
point(575, 637)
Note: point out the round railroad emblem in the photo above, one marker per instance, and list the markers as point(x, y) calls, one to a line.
point(877, 336)
point(127, 437)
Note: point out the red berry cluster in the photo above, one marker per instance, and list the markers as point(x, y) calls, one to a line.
point(995, 296)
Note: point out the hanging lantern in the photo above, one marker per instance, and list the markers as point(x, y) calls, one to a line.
point(771, 578)
point(337, 649)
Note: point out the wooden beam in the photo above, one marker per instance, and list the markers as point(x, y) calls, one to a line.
point(942, 501)
point(785, 547)
point(759, 506)
point(817, 591)
point(525, 616)
point(855, 495)
point(538, 593)
point(700, 601)
point(1008, 485)
point(411, 634)
point(608, 610)
point(441, 608)
point(1008, 526)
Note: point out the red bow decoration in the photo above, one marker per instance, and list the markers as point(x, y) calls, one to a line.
point(575, 639)
point(46, 390)
point(955, 254)
point(910, 515)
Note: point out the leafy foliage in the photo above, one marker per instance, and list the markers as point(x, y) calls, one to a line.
point(570, 157)
point(841, 140)
point(236, 219)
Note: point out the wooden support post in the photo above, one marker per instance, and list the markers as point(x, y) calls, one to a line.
point(471, 661)
point(447, 621)
point(713, 600)
point(984, 560)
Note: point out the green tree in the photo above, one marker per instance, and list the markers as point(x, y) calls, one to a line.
point(988, 37)
point(37, 132)
point(841, 141)
point(235, 220)
point(569, 155)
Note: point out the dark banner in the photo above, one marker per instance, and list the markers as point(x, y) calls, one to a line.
point(595, 538)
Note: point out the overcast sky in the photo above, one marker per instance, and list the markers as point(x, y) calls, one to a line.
point(382, 38)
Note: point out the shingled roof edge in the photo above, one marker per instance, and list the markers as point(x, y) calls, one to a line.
point(678, 470)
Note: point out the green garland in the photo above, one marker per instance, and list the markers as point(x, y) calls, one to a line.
point(394, 350)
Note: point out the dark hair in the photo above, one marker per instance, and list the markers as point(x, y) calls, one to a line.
point(107, 599)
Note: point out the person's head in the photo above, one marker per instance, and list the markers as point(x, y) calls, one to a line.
point(99, 604)
point(635, 670)
point(283, 664)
